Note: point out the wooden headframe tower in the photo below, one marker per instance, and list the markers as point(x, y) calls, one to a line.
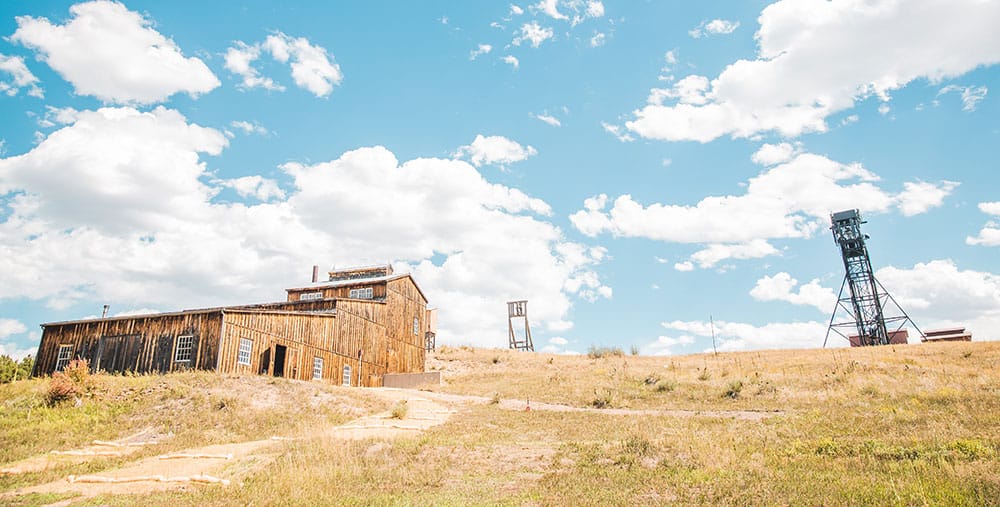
point(517, 311)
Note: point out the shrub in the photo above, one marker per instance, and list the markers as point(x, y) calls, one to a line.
point(400, 410)
point(634, 350)
point(596, 352)
point(602, 398)
point(733, 390)
point(666, 386)
point(61, 388)
point(704, 375)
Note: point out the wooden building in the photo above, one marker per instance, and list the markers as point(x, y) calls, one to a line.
point(352, 329)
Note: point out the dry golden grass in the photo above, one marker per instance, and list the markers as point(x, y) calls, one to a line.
point(906, 425)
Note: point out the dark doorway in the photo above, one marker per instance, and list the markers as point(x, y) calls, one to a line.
point(279, 360)
point(118, 354)
point(265, 362)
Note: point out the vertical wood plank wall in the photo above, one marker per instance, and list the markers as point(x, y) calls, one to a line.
point(150, 341)
point(406, 349)
point(378, 291)
point(334, 338)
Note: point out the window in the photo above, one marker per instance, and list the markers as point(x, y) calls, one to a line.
point(306, 296)
point(347, 375)
point(182, 352)
point(416, 325)
point(317, 368)
point(362, 293)
point(246, 347)
point(65, 354)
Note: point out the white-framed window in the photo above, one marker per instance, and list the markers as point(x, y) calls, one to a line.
point(306, 296)
point(416, 325)
point(317, 368)
point(65, 354)
point(347, 375)
point(361, 293)
point(183, 349)
point(246, 347)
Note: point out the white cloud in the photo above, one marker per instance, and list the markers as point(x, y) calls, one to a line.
point(516, 10)
point(938, 294)
point(10, 327)
point(715, 253)
point(781, 287)
point(664, 345)
point(883, 109)
point(595, 9)
point(919, 196)
point(312, 68)
point(556, 340)
point(714, 27)
point(170, 244)
point(971, 95)
point(773, 154)
point(989, 235)
point(481, 50)
point(550, 8)
point(816, 58)
point(114, 54)
point(22, 77)
point(57, 116)
point(684, 266)
point(533, 33)
point(547, 118)
point(617, 131)
point(496, 150)
point(736, 336)
point(790, 200)
point(249, 127)
point(597, 40)
point(666, 162)
point(512, 61)
point(258, 187)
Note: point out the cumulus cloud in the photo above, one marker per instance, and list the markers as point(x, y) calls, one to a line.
point(255, 186)
point(171, 244)
point(495, 150)
point(714, 27)
point(481, 50)
point(989, 235)
point(816, 58)
point(919, 196)
point(10, 327)
point(938, 294)
point(598, 40)
point(20, 76)
point(737, 336)
point(311, 65)
point(534, 33)
point(773, 154)
point(666, 345)
point(971, 95)
point(782, 287)
point(578, 10)
point(618, 132)
point(512, 61)
point(114, 54)
point(790, 200)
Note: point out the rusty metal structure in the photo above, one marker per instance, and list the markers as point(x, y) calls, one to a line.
point(517, 311)
point(870, 316)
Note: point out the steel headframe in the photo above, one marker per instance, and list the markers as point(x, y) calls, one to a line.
point(867, 299)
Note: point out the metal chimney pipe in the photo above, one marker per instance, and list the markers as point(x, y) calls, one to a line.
point(315, 273)
point(104, 314)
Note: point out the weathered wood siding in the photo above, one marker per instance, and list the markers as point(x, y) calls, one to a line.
point(335, 338)
point(405, 303)
point(133, 344)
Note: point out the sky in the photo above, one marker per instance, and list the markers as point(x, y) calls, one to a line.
point(647, 175)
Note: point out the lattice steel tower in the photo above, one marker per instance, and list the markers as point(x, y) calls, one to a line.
point(867, 301)
point(517, 310)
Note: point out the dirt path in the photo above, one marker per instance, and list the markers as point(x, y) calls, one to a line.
point(221, 464)
point(514, 404)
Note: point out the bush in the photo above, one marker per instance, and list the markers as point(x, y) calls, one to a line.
point(666, 386)
point(61, 388)
point(602, 398)
point(596, 352)
point(11, 370)
point(400, 410)
point(733, 390)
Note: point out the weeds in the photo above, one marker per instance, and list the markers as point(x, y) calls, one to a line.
point(595, 352)
point(733, 389)
point(399, 410)
point(602, 398)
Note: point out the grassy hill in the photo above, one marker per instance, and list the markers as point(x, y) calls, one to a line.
point(903, 425)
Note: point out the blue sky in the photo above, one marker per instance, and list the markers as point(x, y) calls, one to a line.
point(632, 169)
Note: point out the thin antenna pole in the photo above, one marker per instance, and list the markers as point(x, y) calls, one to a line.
point(712, 323)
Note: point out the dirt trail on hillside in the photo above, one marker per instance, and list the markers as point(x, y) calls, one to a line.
point(226, 463)
point(515, 404)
